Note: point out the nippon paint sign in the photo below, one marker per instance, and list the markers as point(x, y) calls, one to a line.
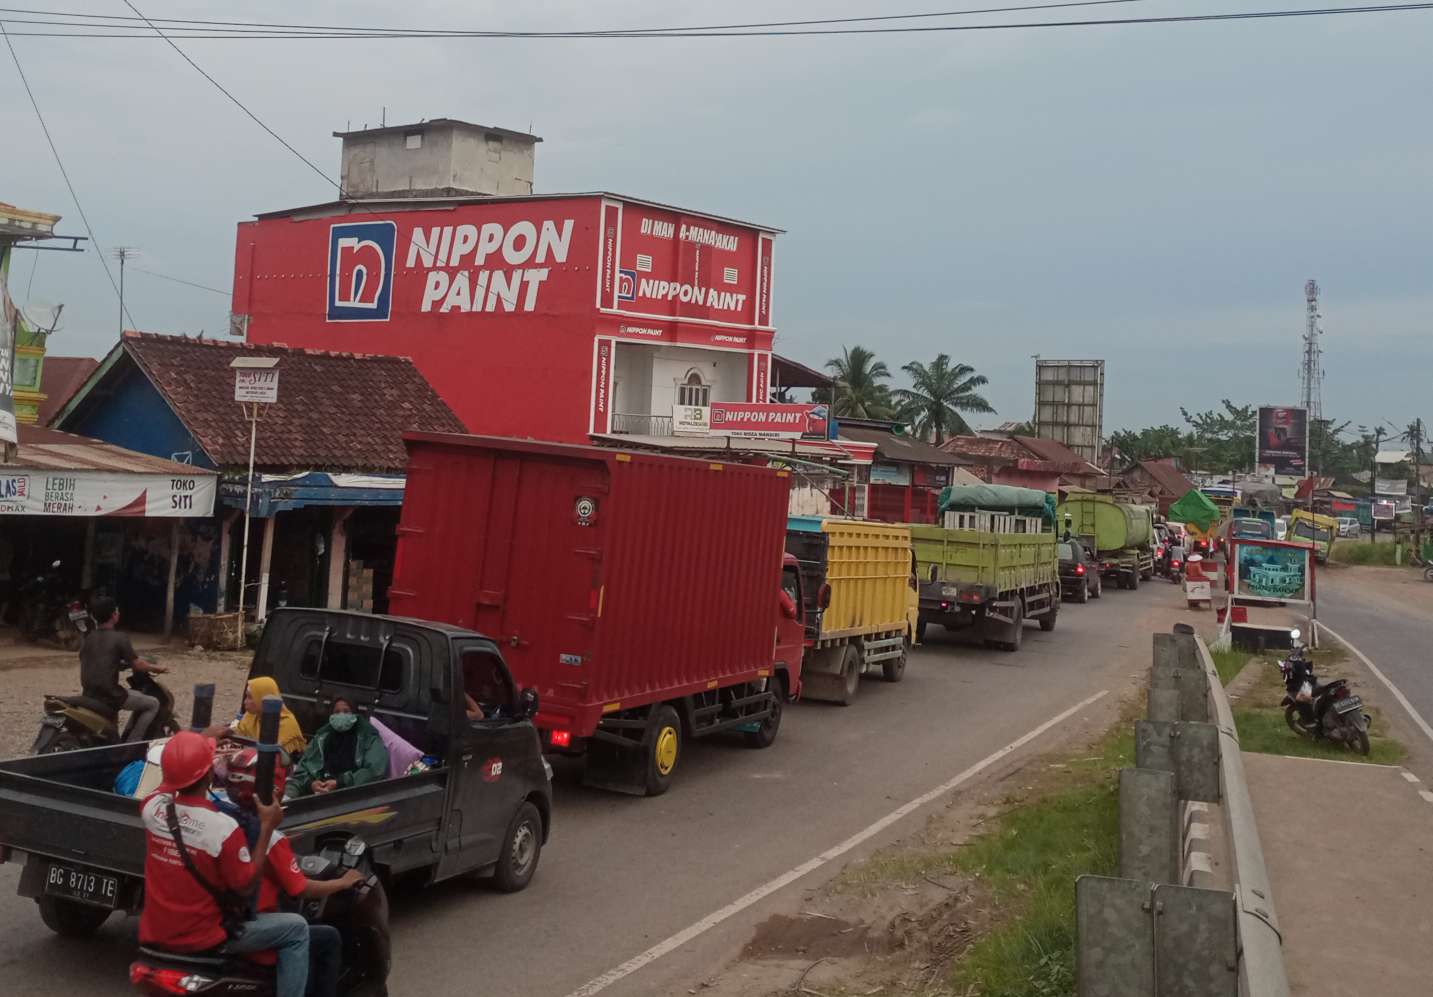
point(665, 264)
point(766, 420)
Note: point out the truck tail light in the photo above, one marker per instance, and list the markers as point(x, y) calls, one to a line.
point(1079, 569)
point(147, 979)
point(561, 739)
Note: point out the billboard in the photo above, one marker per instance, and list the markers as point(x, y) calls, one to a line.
point(107, 493)
point(1283, 440)
point(1272, 570)
point(663, 264)
point(1070, 404)
point(768, 420)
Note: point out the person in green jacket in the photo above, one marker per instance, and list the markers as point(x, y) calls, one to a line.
point(346, 751)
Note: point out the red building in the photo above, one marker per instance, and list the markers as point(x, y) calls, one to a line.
point(555, 317)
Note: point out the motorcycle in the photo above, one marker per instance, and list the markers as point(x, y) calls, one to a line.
point(360, 915)
point(1322, 711)
point(48, 614)
point(74, 722)
point(1176, 569)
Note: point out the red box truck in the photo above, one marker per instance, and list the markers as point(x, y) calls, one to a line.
point(641, 595)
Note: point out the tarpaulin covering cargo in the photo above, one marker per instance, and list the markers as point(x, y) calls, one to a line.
point(998, 498)
point(1195, 507)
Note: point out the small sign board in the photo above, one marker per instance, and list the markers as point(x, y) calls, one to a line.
point(256, 385)
point(691, 420)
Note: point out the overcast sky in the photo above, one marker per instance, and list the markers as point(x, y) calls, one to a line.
point(1152, 195)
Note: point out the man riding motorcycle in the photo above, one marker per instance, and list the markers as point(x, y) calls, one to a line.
point(199, 869)
point(282, 879)
point(105, 653)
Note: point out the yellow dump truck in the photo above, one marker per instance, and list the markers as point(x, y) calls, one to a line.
point(858, 599)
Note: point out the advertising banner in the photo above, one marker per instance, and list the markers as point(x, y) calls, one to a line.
point(691, 420)
point(890, 474)
point(601, 416)
point(1272, 570)
point(1389, 486)
point(666, 264)
point(1283, 440)
point(769, 420)
point(106, 493)
point(9, 322)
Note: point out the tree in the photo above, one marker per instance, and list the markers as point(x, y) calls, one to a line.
point(1153, 443)
point(1224, 438)
point(859, 392)
point(938, 394)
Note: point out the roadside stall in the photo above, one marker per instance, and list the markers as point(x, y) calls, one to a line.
point(78, 517)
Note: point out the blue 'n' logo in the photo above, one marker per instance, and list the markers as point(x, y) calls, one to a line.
point(360, 271)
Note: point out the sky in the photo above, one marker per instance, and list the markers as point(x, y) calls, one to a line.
point(1152, 195)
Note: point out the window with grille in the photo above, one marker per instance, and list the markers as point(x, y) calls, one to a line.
point(693, 391)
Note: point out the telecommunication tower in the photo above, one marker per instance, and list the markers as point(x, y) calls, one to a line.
point(1311, 375)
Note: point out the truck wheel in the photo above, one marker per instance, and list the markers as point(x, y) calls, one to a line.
point(663, 746)
point(1083, 596)
point(1134, 580)
point(522, 847)
point(1047, 621)
point(1017, 629)
point(920, 629)
point(70, 917)
point(765, 735)
point(1099, 588)
point(894, 669)
point(850, 675)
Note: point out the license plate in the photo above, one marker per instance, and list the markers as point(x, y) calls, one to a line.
point(1348, 705)
point(78, 614)
point(84, 885)
point(950, 593)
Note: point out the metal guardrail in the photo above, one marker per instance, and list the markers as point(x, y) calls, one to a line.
point(1156, 930)
point(1261, 955)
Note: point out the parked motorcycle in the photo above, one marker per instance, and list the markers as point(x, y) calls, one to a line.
point(1323, 711)
point(48, 613)
point(73, 722)
point(360, 915)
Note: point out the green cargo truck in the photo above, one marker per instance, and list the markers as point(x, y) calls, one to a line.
point(1119, 532)
point(992, 567)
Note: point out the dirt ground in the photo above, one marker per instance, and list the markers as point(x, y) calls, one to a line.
point(1402, 585)
point(24, 681)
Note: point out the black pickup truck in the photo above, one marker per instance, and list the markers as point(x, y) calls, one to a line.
point(484, 810)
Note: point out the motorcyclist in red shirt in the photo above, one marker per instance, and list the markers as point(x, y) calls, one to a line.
point(282, 879)
point(200, 871)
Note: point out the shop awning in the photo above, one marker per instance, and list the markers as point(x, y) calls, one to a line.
point(282, 492)
point(60, 474)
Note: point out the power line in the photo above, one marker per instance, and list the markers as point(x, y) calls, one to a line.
point(236, 101)
point(177, 24)
point(177, 280)
point(54, 150)
point(289, 34)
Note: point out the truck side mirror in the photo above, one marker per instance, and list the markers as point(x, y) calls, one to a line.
point(528, 703)
point(823, 596)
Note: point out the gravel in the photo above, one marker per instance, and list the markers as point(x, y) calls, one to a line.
point(22, 689)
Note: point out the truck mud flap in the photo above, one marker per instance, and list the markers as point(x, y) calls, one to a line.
point(884, 649)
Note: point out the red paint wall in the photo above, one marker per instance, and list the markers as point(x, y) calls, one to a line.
point(499, 302)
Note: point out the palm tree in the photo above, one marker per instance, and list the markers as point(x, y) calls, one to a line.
point(938, 394)
point(859, 393)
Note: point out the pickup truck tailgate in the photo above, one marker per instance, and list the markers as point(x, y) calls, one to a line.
point(42, 813)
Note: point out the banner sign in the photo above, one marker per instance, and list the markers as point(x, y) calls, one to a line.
point(256, 385)
point(1283, 440)
point(769, 420)
point(107, 493)
point(9, 323)
point(890, 474)
point(1272, 570)
point(1388, 486)
point(691, 420)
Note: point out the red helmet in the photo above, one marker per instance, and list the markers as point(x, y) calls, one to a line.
point(240, 776)
point(186, 758)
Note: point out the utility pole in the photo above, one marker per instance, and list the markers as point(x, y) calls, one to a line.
point(1373, 484)
point(1415, 438)
point(122, 253)
point(1311, 373)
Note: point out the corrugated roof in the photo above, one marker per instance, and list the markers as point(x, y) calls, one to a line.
point(51, 450)
point(336, 411)
point(1168, 477)
point(60, 378)
point(899, 447)
point(985, 448)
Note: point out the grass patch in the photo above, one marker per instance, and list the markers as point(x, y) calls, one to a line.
point(1259, 718)
point(1030, 861)
point(1229, 663)
point(1348, 552)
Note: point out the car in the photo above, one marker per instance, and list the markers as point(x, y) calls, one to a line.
point(1348, 526)
point(1079, 572)
point(1281, 528)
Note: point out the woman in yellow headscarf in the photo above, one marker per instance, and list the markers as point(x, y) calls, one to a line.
point(291, 735)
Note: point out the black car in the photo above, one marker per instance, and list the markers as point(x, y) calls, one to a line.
point(1079, 572)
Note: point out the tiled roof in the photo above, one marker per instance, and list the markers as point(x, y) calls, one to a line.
point(1169, 478)
point(1050, 450)
point(985, 448)
point(336, 411)
point(60, 378)
point(890, 445)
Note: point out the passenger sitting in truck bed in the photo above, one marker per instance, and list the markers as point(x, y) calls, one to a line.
point(291, 735)
point(346, 751)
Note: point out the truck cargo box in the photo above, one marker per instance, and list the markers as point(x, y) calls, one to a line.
point(1114, 525)
point(611, 580)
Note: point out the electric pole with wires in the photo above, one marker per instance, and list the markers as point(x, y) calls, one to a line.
point(123, 254)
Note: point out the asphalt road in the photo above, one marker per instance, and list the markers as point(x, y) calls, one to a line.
point(622, 874)
point(1387, 615)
